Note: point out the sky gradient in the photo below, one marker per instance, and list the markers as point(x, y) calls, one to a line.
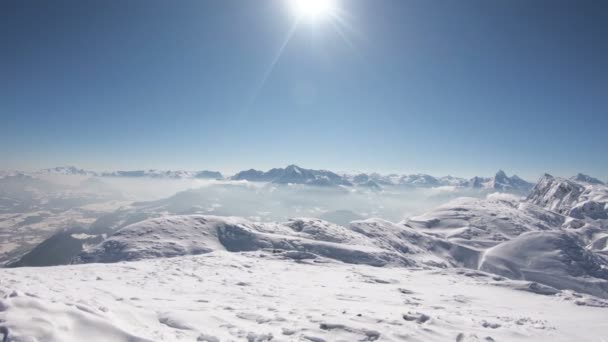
point(440, 87)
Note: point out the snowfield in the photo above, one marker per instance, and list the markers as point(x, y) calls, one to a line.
point(502, 268)
point(258, 296)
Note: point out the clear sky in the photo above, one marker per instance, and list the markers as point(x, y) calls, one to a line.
point(441, 87)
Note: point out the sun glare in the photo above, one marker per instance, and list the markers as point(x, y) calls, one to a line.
point(313, 8)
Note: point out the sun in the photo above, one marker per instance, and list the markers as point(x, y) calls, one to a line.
point(313, 9)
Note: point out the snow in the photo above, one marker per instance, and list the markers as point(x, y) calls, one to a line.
point(197, 234)
point(294, 174)
point(580, 199)
point(500, 234)
point(166, 174)
point(499, 268)
point(521, 240)
point(501, 182)
point(485, 221)
point(257, 296)
point(553, 258)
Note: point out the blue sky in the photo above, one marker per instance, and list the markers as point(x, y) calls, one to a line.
point(441, 87)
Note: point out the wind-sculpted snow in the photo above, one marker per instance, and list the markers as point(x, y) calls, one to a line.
point(425, 249)
point(485, 222)
point(521, 240)
point(190, 235)
point(373, 242)
point(260, 297)
point(490, 234)
point(556, 194)
point(572, 197)
point(554, 258)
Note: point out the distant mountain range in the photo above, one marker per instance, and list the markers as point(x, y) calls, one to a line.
point(294, 174)
point(152, 173)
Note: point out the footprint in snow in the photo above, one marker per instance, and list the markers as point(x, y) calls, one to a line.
point(461, 337)
point(367, 335)
point(490, 325)
point(253, 317)
point(167, 319)
point(406, 291)
point(416, 317)
point(207, 338)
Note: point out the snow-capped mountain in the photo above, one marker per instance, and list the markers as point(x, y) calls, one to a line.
point(501, 182)
point(420, 180)
point(67, 171)
point(151, 173)
point(370, 184)
point(586, 179)
point(578, 199)
point(252, 176)
point(205, 174)
point(381, 180)
point(167, 174)
point(293, 174)
point(453, 181)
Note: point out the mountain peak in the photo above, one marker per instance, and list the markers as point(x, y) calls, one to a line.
point(67, 170)
point(293, 168)
point(581, 177)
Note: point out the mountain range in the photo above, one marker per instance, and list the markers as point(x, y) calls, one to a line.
point(151, 173)
point(294, 174)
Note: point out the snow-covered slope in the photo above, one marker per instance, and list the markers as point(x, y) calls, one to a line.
point(196, 234)
point(261, 297)
point(554, 258)
point(522, 240)
point(465, 233)
point(485, 222)
point(579, 199)
point(373, 242)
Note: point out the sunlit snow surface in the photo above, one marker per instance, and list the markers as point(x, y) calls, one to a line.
point(500, 268)
point(257, 296)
